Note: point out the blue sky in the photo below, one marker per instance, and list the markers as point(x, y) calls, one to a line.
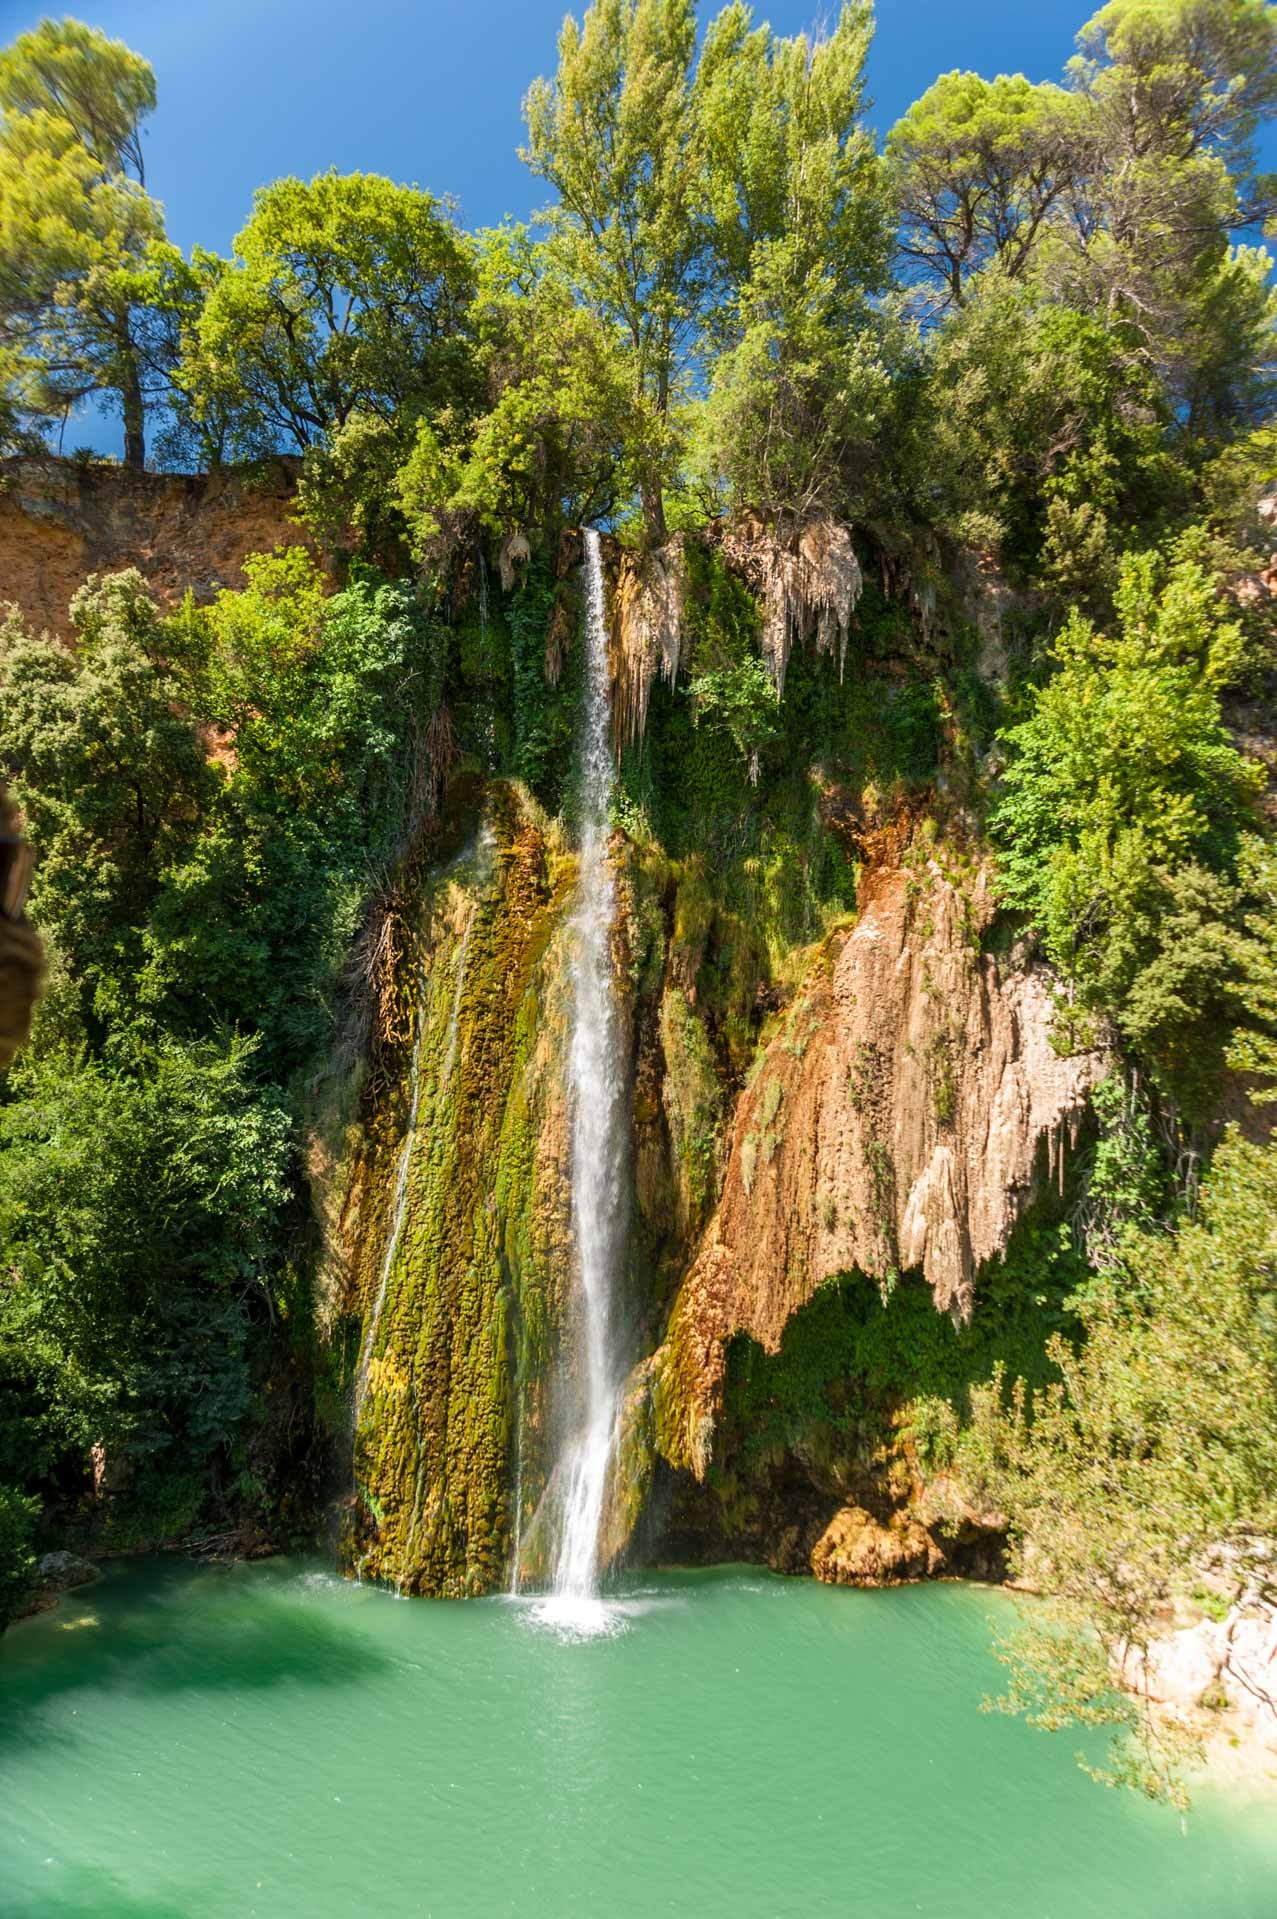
point(430, 92)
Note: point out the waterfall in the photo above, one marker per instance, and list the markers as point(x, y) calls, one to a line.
point(398, 1208)
point(597, 1086)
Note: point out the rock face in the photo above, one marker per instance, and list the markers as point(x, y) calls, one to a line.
point(57, 1573)
point(902, 1117)
point(1226, 1666)
point(808, 588)
point(855, 1550)
point(61, 521)
point(449, 1226)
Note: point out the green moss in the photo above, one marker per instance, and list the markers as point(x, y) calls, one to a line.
point(470, 1310)
point(694, 1106)
point(850, 1360)
point(544, 717)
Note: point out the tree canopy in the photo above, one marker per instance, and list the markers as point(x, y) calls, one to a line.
point(985, 412)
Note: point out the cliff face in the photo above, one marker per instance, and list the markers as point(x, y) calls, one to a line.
point(868, 1098)
point(819, 1093)
point(60, 522)
point(899, 1119)
point(450, 1245)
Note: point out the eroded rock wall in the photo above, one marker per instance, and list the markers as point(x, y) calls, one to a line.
point(60, 521)
point(901, 1117)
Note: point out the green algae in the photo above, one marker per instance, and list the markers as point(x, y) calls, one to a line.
point(473, 1295)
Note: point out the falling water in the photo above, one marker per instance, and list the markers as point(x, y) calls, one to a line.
point(400, 1204)
point(599, 1108)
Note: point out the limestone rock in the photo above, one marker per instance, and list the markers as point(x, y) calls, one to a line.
point(903, 1116)
point(647, 632)
point(809, 587)
point(57, 1573)
point(856, 1550)
point(1228, 1665)
point(60, 1571)
point(61, 521)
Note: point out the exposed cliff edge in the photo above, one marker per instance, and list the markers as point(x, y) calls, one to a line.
point(61, 520)
point(900, 1118)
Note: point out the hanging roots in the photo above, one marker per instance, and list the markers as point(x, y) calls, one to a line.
point(515, 552)
point(808, 590)
point(647, 630)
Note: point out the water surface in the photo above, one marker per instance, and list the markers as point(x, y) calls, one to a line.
point(216, 1743)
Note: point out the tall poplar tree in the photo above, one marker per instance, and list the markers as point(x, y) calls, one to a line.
point(615, 134)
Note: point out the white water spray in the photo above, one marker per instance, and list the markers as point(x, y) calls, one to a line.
point(596, 1081)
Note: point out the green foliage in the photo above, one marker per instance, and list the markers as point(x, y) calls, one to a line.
point(799, 227)
point(551, 439)
point(139, 1222)
point(1120, 817)
point(1114, 199)
point(17, 1561)
point(110, 773)
point(86, 275)
point(614, 135)
point(338, 324)
point(1126, 1186)
point(722, 217)
point(1253, 1049)
point(1152, 1458)
point(201, 917)
point(544, 715)
point(1040, 435)
point(852, 1357)
point(976, 167)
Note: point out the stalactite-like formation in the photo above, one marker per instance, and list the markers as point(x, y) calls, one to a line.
point(647, 633)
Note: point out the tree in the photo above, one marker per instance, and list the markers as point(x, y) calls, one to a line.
point(1169, 98)
point(976, 167)
point(1121, 813)
point(724, 217)
point(1035, 433)
point(1150, 1465)
point(111, 775)
point(84, 266)
point(1116, 196)
point(95, 86)
point(140, 1217)
point(550, 444)
point(346, 297)
point(615, 135)
point(799, 234)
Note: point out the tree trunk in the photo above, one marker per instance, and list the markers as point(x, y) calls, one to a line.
point(133, 407)
point(652, 499)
